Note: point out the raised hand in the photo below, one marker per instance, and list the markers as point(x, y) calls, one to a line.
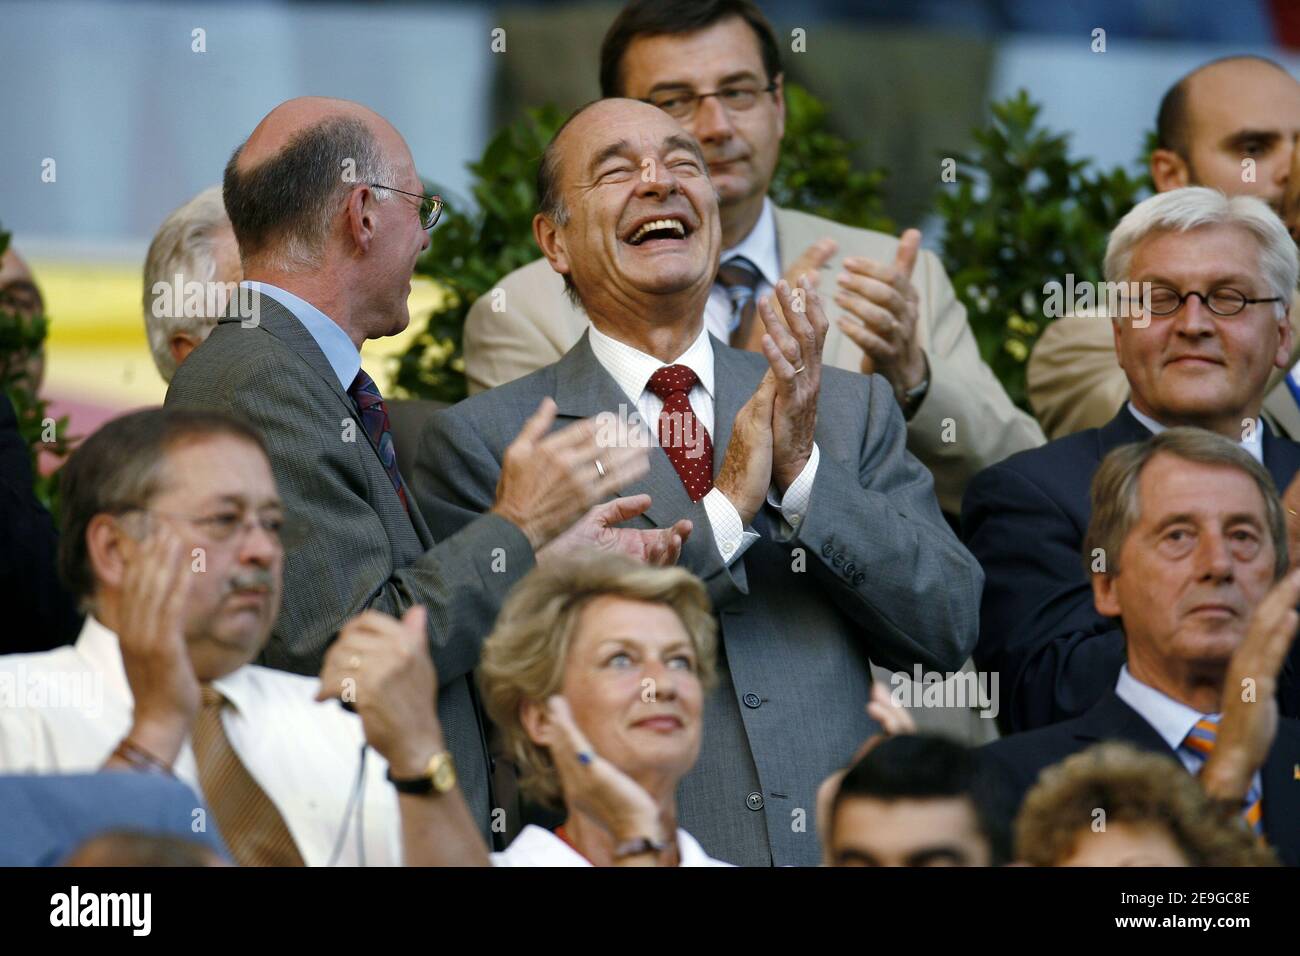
point(595, 786)
point(1249, 722)
point(151, 633)
point(882, 308)
point(595, 530)
point(796, 332)
point(381, 666)
point(746, 471)
point(549, 480)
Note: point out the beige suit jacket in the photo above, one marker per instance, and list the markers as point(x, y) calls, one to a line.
point(965, 424)
point(1074, 380)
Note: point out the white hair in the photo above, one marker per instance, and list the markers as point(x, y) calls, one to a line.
point(1180, 210)
point(183, 245)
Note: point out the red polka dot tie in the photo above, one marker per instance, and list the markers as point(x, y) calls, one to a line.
point(681, 436)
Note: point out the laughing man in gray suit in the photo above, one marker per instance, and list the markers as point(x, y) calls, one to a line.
point(817, 534)
point(328, 211)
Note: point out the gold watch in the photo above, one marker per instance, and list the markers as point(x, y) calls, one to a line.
point(438, 777)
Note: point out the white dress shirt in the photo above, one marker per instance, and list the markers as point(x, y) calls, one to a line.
point(1173, 720)
point(632, 370)
point(760, 248)
point(1252, 440)
point(537, 847)
point(64, 711)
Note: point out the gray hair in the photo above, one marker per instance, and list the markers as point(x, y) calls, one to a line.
point(184, 245)
point(1116, 509)
point(282, 209)
point(1180, 210)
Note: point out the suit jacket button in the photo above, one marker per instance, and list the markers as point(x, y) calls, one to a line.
point(859, 578)
point(826, 550)
point(837, 560)
point(754, 801)
point(753, 700)
point(849, 569)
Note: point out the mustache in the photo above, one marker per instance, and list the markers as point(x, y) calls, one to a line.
point(256, 579)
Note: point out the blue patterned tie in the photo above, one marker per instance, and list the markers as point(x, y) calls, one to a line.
point(740, 278)
point(374, 418)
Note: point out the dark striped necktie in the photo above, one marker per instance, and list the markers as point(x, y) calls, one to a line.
point(374, 418)
point(740, 278)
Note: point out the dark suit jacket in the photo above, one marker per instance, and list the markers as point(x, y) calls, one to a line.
point(364, 550)
point(1011, 765)
point(40, 614)
point(1025, 520)
point(47, 816)
point(874, 570)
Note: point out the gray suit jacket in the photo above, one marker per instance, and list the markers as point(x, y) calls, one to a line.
point(363, 549)
point(874, 570)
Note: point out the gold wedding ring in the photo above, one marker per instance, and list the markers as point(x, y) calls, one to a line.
point(600, 469)
point(800, 369)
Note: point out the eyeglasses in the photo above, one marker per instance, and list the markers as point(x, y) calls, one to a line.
point(1166, 301)
point(224, 526)
point(430, 206)
point(681, 104)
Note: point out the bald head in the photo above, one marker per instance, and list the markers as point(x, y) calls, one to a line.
point(614, 170)
point(284, 186)
point(1231, 125)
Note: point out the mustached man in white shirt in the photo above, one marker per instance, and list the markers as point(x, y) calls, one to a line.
point(173, 542)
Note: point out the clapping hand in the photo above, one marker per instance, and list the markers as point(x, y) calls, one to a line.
point(796, 332)
point(596, 530)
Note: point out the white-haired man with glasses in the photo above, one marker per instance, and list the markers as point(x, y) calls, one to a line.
point(1218, 275)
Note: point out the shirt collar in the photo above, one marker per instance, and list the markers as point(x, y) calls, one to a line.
point(759, 246)
point(1172, 719)
point(99, 647)
point(535, 846)
point(631, 368)
point(333, 341)
point(1252, 439)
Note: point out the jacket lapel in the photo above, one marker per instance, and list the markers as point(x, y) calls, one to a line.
point(1281, 458)
point(1123, 429)
point(734, 382)
point(1112, 719)
point(583, 389)
point(280, 322)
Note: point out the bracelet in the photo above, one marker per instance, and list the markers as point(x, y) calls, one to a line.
point(141, 759)
point(638, 846)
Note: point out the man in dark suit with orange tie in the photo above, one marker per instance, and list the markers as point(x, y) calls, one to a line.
point(1196, 574)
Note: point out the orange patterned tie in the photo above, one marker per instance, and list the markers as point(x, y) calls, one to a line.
point(1200, 740)
point(249, 822)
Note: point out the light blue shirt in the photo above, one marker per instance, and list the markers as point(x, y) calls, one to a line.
point(1172, 720)
point(333, 341)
